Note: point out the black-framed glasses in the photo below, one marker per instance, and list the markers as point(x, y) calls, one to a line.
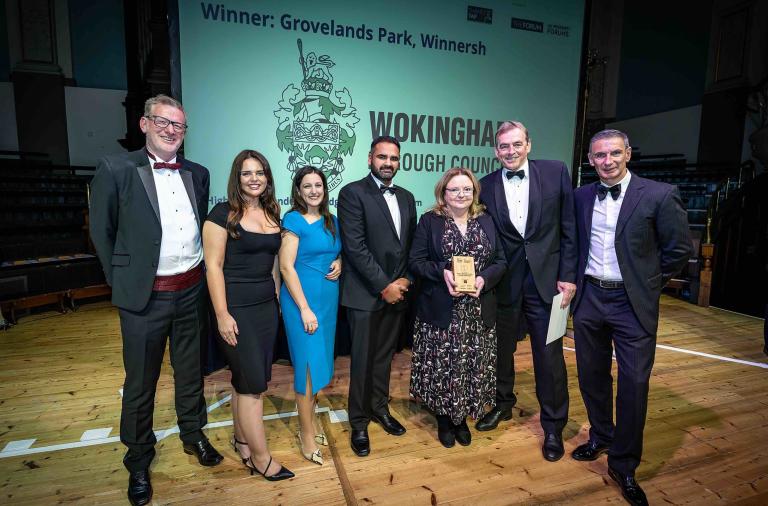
point(454, 192)
point(161, 122)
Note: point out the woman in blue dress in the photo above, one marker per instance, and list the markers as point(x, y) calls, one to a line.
point(310, 263)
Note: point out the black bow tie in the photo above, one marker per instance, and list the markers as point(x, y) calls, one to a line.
point(387, 189)
point(518, 173)
point(603, 190)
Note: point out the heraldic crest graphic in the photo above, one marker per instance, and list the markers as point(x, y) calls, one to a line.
point(316, 125)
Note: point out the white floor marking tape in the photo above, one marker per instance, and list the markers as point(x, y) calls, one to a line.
point(701, 354)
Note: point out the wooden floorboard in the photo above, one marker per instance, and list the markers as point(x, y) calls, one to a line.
point(61, 375)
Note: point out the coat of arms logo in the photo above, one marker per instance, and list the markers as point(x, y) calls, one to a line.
point(316, 125)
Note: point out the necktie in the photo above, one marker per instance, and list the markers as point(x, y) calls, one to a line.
point(163, 165)
point(387, 189)
point(603, 190)
point(518, 173)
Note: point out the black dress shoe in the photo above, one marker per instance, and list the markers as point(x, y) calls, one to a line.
point(389, 424)
point(359, 442)
point(463, 436)
point(590, 450)
point(492, 418)
point(445, 431)
point(629, 488)
point(553, 447)
point(205, 453)
point(139, 488)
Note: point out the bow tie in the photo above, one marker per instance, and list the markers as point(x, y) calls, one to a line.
point(518, 173)
point(602, 191)
point(166, 165)
point(387, 189)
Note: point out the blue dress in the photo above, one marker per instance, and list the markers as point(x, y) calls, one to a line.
point(317, 249)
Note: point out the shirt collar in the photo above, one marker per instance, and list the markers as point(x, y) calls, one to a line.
point(158, 159)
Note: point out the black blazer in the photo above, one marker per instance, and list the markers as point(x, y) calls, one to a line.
point(652, 242)
point(549, 245)
point(434, 303)
point(125, 221)
point(373, 255)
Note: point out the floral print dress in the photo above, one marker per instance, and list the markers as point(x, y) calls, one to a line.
point(453, 370)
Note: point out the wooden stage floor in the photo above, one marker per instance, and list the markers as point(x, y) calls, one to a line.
point(705, 439)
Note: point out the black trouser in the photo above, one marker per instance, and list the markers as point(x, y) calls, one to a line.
point(374, 336)
point(177, 315)
point(605, 316)
point(548, 362)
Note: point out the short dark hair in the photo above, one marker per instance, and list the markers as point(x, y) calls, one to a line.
point(609, 134)
point(385, 138)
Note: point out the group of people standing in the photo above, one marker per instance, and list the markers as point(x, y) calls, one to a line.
point(528, 233)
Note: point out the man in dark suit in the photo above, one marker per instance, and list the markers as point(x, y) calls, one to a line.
point(146, 213)
point(531, 202)
point(633, 237)
point(377, 221)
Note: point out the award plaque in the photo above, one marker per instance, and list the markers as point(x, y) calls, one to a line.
point(464, 273)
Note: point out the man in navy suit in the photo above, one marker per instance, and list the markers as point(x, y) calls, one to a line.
point(146, 213)
point(531, 203)
point(633, 238)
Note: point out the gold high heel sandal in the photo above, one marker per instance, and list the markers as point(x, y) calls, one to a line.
point(315, 457)
point(320, 437)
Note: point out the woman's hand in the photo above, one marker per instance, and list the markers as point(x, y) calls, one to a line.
point(335, 271)
point(479, 284)
point(450, 283)
point(310, 320)
point(228, 328)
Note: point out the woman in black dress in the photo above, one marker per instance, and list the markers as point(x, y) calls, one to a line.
point(453, 366)
point(241, 239)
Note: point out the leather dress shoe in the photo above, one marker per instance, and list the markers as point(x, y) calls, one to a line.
point(359, 442)
point(139, 488)
point(629, 488)
point(553, 447)
point(445, 431)
point(205, 453)
point(492, 418)
point(590, 450)
point(389, 424)
point(463, 436)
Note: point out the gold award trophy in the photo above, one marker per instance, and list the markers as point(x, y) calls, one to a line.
point(463, 268)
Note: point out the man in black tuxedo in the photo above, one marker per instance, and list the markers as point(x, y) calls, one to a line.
point(633, 237)
point(377, 221)
point(531, 202)
point(146, 213)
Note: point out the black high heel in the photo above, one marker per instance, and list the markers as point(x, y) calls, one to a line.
point(282, 474)
point(234, 444)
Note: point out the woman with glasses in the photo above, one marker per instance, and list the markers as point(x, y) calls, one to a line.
point(311, 266)
point(453, 367)
point(241, 239)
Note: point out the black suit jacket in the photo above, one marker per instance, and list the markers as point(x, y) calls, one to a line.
point(652, 242)
point(426, 261)
point(125, 221)
point(549, 245)
point(373, 255)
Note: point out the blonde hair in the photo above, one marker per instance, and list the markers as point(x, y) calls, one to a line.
point(441, 208)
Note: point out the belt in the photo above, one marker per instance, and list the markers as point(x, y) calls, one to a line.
point(178, 282)
point(604, 283)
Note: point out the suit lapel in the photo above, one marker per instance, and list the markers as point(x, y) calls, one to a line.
point(534, 199)
point(589, 209)
point(628, 205)
point(402, 204)
point(186, 176)
point(377, 197)
point(145, 173)
point(502, 210)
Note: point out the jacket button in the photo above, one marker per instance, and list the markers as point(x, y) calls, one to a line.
point(527, 243)
point(157, 242)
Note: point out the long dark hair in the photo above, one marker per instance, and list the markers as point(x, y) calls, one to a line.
point(298, 203)
point(238, 201)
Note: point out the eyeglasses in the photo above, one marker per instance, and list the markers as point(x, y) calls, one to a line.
point(161, 122)
point(454, 192)
point(248, 173)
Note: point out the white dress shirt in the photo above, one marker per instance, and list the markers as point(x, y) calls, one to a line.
point(391, 200)
point(516, 191)
point(181, 248)
point(602, 262)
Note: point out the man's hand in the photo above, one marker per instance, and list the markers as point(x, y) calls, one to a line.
point(394, 292)
point(568, 290)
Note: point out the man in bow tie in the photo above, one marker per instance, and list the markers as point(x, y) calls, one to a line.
point(531, 202)
point(633, 237)
point(377, 220)
point(146, 212)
